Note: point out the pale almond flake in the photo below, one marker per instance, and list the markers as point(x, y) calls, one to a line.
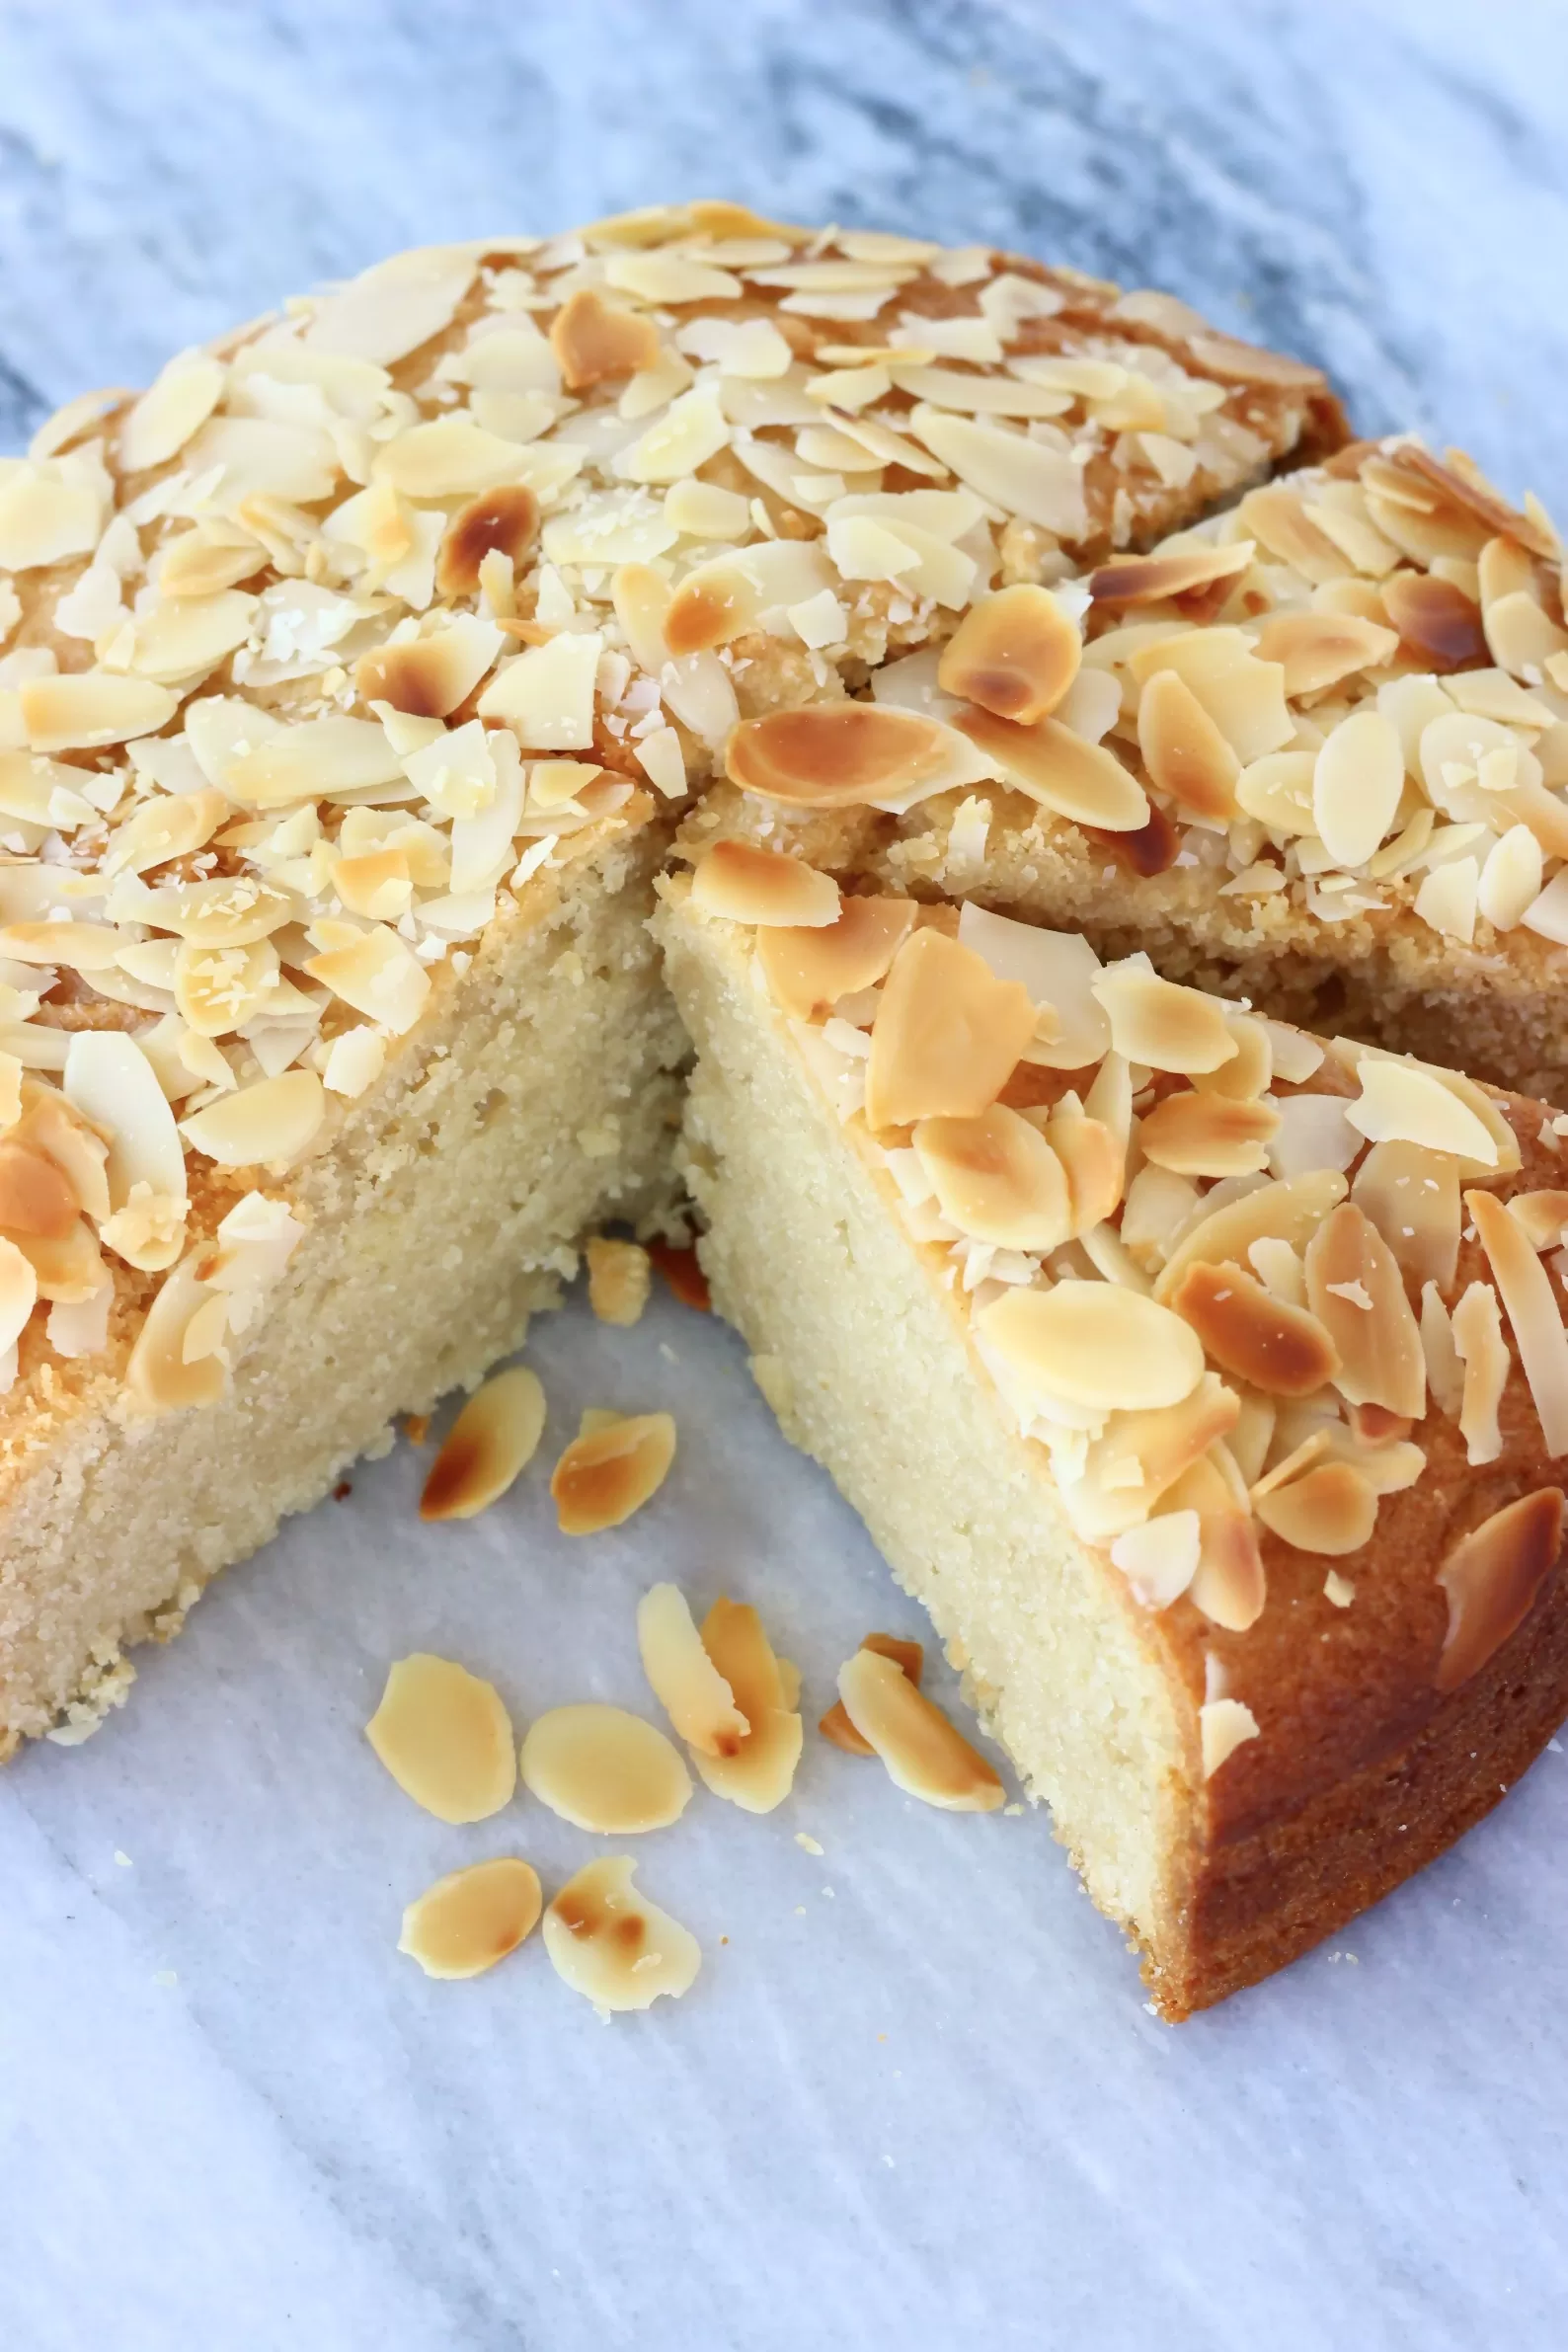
point(468, 1921)
point(1225, 1725)
point(690, 1688)
point(604, 1769)
point(923, 1753)
point(612, 1945)
point(445, 1737)
point(1533, 1313)
point(1094, 1345)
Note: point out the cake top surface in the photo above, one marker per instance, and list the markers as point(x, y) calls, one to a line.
point(317, 653)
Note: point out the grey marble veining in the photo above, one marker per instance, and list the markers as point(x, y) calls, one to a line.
point(915, 2099)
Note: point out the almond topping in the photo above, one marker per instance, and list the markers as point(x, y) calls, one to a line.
point(947, 1036)
point(445, 1737)
point(84, 710)
point(504, 521)
point(1330, 1509)
point(807, 969)
point(1354, 1288)
point(271, 1124)
point(1183, 750)
point(468, 1921)
point(925, 1755)
point(1014, 653)
point(1282, 1349)
point(592, 339)
point(1223, 1725)
point(1407, 1102)
point(607, 1473)
point(748, 884)
point(1168, 1027)
point(1095, 1161)
point(907, 1656)
point(1412, 1196)
point(1436, 620)
point(995, 1177)
point(1475, 1336)
point(714, 604)
point(36, 1197)
point(612, 1945)
point(836, 754)
point(759, 1776)
point(620, 1275)
point(429, 676)
point(1290, 1209)
point(1208, 1134)
point(604, 1769)
point(1142, 1454)
point(493, 1440)
point(158, 1375)
point(1094, 1344)
point(1063, 771)
point(685, 1680)
point(1475, 498)
point(1177, 571)
point(1529, 1301)
point(1159, 1559)
point(1491, 1578)
point(1316, 649)
point(1228, 1584)
point(1357, 782)
point(1542, 1216)
point(18, 1292)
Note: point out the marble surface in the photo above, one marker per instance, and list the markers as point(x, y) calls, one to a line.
point(915, 2099)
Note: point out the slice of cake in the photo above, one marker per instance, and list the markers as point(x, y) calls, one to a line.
point(1207, 1383)
point(348, 678)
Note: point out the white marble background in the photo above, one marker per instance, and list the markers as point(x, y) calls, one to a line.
point(915, 2099)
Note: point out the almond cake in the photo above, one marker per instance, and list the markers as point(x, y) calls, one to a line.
point(969, 651)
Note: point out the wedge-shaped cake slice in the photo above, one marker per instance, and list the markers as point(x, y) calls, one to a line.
point(1317, 744)
point(1207, 1381)
point(348, 676)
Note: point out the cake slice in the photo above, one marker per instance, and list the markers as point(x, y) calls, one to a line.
point(348, 679)
point(1206, 1380)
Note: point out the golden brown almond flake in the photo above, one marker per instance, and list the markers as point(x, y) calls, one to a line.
point(1533, 1313)
point(1173, 574)
point(468, 1921)
point(685, 1680)
point(488, 1446)
point(1471, 496)
point(594, 340)
point(808, 969)
point(1330, 1510)
point(426, 676)
point(504, 522)
point(1064, 772)
point(924, 1753)
point(947, 1034)
point(907, 1656)
point(36, 1197)
point(620, 1277)
point(745, 883)
point(1184, 752)
point(1542, 1215)
point(612, 1945)
point(1491, 1578)
point(159, 1376)
point(760, 1774)
point(1095, 1161)
point(1317, 650)
point(836, 754)
point(1289, 1210)
point(682, 1273)
point(1439, 623)
point(1095, 1346)
point(604, 1769)
point(1208, 1134)
point(1248, 1073)
point(1159, 1023)
point(1355, 1288)
point(607, 1473)
point(1273, 1346)
point(1015, 654)
point(996, 1178)
point(445, 1737)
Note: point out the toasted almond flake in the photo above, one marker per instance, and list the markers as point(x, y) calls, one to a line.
point(85, 710)
point(1510, 879)
point(449, 456)
point(1407, 1102)
point(681, 1273)
point(19, 1291)
point(1316, 649)
point(606, 1474)
point(1357, 782)
point(1435, 618)
point(271, 1124)
point(1184, 752)
point(1061, 771)
point(1519, 636)
point(612, 1945)
point(429, 676)
point(492, 1441)
point(593, 339)
point(1331, 1510)
point(1159, 1559)
point(1491, 1578)
point(1355, 1288)
point(947, 1036)
point(687, 1684)
point(620, 1275)
point(1228, 1584)
point(1542, 1216)
point(445, 1737)
point(36, 1197)
point(996, 1178)
point(923, 1753)
point(471, 1918)
point(1094, 1158)
point(604, 1769)
point(1171, 573)
point(1025, 478)
point(1208, 1134)
point(1412, 1196)
point(1271, 1344)
point(807, 969)
point(1223, 1725)
point(1472, 498)
point(834, 754)
point(1142, 1457)
point(81, 946)
point(910, 1659)
point(1244, 697)
point(379, 975)
point(1015, 653)
point(748, 884)
point(1476, 1338)
point(1533, 1313)
point(1094, 1345)
point(759, 1776)
point(1165, 1026)
point(1058, 968)
point(504, 522)
point(1290, 1209)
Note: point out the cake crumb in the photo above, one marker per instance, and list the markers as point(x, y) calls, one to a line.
point(806, 1844)
point(620, 1275)
point(166, 1976)
point(124, 1859)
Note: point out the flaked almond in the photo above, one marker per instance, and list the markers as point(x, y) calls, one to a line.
point(713, 605)
point(612, 1945)
point(80, 947)
point(503, 520)
point(1094, 1345)
point(1355, 1288)
point(836, 754)
point(1480, 1354)
point(445, 1737)
point(1357, 783)
point(1409, 1103)
point(1063, 771)
point(1244, 697)
point(1532, 1307)
point(1412, 1196)
point(1271, 1345)
point(1436, 620)
point(995, 1177)
point(1142, 1454)
point(748, 884)
point(1095, 1161)
point(620, 1277)
point(809, 968)
point(19, 1291)
point(429, 676)
point(607, 1473)
point(159, 1376)
point(907, 1656)
point(1224, 1726)
point(1159, 1559)
point(1015, 654)
point(1250, 1072)
point(1175, 572)
point(468, 1921)
point(687, 1684)
point(681, 1271)
point(947, 1036)
point(491, 1442)
point(1166, 1026)
point(1184, 752)
point(1290, 1209)
point(1543, 1217)
point(759, 1776)
point(379, 975)
point(1228, 1584)
point(170, 826)
point(593, 339)
point(1208, 1134)
point(271, 1124)
point(604, 1769)
point(924, 1753)
point(1331, 1510)
point(35, 1195)
point(1492, 1577)
point(1316, 649)
point(1472, 497)
point(86, 709)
